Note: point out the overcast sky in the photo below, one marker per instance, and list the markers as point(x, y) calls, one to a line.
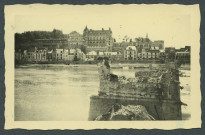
point(164, 22)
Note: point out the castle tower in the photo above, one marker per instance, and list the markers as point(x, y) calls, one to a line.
point(86, 28)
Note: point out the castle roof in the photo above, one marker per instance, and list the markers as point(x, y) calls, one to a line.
point(74, 33)
point(98, 32)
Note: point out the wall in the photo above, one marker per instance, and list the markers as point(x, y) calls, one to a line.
point(160, 110)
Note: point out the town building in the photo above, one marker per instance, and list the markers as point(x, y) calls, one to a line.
point(24, 55)
point(18, 55)
point(130, 53)
point(49, 55)
point(170, 53)
point(159, 44)
point(41, 54)
point(96, 48)
point(79, 54)
point(66, 55)
point(75, 40)
point(71, 54)
point(31, 54)
point(118, 47)
point(185, 49)
point(144, 43)
point(154, 52)
point(98, 40)
point(146, 54)
point(113, 56)
point(92, 55)
point(59, 54)
point(162, 55)
point(139, 53)
point(183, 56)
point(52, 43)
point(188, 48)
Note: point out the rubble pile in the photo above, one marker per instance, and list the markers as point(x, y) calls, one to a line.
point(155, 83)
point(152, 73)
point(130, 112)
point(142, 86)
point(156, 89)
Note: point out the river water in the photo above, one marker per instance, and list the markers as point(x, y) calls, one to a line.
point(62, 93)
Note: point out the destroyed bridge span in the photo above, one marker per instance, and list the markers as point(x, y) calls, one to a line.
point(158, 90)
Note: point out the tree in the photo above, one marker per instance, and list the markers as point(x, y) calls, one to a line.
point(83, 49)
point(126, 38)
point(57, 34)
point(100, 59)
point(76, 58)
point(22, 40)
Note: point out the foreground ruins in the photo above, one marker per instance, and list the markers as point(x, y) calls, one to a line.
point(157, 90)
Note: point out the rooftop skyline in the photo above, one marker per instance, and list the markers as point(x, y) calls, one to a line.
point(164, 23)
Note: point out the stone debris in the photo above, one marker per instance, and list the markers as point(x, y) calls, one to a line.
point(159, 83)
point(122, 113)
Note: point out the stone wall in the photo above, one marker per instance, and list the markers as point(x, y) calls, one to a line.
point(160, 110)
point(162, 83)
point(157, 90)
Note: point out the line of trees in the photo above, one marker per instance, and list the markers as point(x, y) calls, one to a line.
point(31, 36)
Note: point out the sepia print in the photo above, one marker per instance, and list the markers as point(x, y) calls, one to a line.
point(99, 63)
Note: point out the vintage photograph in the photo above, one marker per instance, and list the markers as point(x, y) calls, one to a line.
point(103, 63)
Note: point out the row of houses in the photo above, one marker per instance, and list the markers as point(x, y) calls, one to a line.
point(43, 55)
point(170, 53)
point(93, 55)
point(129, 53)
point(133, 53)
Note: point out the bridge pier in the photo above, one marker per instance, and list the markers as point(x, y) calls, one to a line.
point(159, 109)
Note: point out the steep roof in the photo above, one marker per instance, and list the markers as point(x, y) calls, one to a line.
point(74, 33)
point(131, 48)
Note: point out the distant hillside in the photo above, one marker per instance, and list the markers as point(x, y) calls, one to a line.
point(21, 39)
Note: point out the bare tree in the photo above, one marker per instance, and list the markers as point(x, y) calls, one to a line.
point(126, 38)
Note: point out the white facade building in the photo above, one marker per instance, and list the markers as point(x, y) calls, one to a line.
point(130, 53)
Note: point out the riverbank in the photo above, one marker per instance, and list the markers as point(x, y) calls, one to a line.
point(54, 62)
point(113, 64)
point(88, 62)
